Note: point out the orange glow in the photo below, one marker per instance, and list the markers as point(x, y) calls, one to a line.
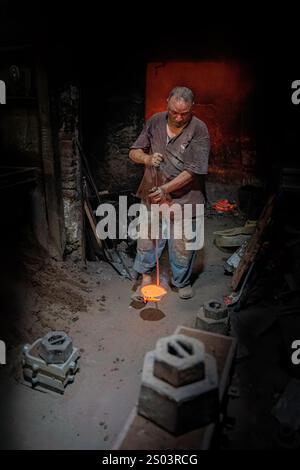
point(212, 83)
point(153, 293)
point(222, 92)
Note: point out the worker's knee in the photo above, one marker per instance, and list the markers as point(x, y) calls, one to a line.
point(179, 255)
point(145, 245)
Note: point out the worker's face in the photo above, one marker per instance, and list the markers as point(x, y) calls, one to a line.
point(179, 112)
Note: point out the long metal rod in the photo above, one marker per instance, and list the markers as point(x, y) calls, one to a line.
point(106, 250)
point(88, 171)
point(157, 262)
point(156, 240)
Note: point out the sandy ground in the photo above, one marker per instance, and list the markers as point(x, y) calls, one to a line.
point(92, 304)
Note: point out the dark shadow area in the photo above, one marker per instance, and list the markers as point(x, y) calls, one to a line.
point(97, 86)
point(152, 314)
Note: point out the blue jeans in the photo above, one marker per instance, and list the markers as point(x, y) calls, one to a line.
point(180, 258)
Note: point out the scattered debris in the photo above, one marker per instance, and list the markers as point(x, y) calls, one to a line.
point(119, 260)
point(255, 243)
point(223, 205)
point(234, 260)
point(234, 237)
point(236, 297)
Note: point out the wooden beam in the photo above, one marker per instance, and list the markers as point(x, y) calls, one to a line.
point(90, 217)
point(254, 244)
point(53, 196)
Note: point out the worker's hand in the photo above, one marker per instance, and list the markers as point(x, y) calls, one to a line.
point(157, 195)
point(155, 159)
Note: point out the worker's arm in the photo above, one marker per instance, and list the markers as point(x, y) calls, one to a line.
point(139, 156)
point(178, 182)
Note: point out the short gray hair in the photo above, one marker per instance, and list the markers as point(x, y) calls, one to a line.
point(182, 93)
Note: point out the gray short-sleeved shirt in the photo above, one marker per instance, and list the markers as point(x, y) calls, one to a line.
point(189, 151)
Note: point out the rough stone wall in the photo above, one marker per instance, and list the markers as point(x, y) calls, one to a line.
point(19, 135)
point(120, 136)
point(108, 151)
point(224, 99)
point(71, 172)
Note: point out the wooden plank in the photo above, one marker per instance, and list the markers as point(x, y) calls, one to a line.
point(91, 221)
point(53, 195)
point(254, 244)
point(141, 433)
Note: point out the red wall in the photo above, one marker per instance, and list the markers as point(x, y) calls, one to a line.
point(222, 96)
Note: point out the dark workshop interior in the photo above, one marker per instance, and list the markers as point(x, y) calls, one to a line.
point(75, 103)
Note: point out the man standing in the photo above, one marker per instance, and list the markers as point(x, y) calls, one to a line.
point(174, 147)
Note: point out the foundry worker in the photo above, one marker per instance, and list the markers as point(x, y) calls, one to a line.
point(174, 149)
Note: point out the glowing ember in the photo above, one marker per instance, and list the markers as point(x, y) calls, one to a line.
point(153, 293)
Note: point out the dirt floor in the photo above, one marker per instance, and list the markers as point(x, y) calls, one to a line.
point(92, 304)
